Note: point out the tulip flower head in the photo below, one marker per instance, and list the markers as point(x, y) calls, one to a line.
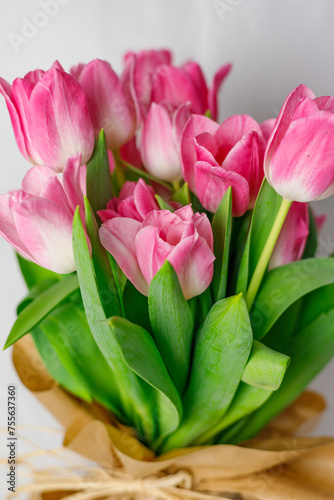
point(299, 158)
point(50, 117)
point(141, 248)
point(37, 220)
point(152, 78)
point(215, 157)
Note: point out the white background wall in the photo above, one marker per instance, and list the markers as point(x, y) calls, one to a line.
point(274, 45)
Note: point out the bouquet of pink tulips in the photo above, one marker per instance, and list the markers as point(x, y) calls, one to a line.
point(170, 259)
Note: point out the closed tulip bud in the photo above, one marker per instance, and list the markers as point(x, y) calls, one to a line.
point(160, 141)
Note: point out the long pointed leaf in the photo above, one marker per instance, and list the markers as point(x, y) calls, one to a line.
point(99, 190)
point(172, 323)
point(222, 230)
point(221, 352)
point(143, 357)
point(283, 286)
point(41, 307)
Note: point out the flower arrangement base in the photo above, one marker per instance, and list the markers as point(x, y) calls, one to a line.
point(278, 465)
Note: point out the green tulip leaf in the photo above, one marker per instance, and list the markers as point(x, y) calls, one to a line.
point(172, 323)
point(222, 229)
point(41, 306)
point(143, 358)
point(99, 190)
point(285, 285)
point(221, 352)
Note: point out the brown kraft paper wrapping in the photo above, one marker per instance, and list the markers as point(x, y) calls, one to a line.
point(277, 465)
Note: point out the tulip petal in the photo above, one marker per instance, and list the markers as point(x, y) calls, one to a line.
point(267, 127)
point(109, 106)
point(61, 126)
point(7, 226)
point(118, 236)
point(284, 120)
point(72, 181)
point(293, 237)
point(204, 228)
point(172, 86)
point(218, 80)
point(193, 264)
point(246, 159)
point(231, 131)
point(196, 125)
point(158, 148)
point(213, 182)
point(35, 179)
point(195, 72)
point(302, 167)
point(152, 251)
point(204, 154)
point(46, 230)
point(325, 103)
point(144, 199)
point(5, 90)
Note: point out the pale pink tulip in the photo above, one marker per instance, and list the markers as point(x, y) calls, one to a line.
point(215, 157)
point(299, 158)
point(50, 117)
point(110, 105)
point(37, 220)
point(160, 141)
point(291, 242)
point(183, 238)
point(152, 78)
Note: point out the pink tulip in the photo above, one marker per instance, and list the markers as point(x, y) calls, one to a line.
point(136, 200)
point(37, 220)
point(183, 238)
point(299, 158)
point(215, 157)
point(152, 78)
point(160, 141)
point(110, 105)
point(138, 73)
point(291, 242)
point(50, 117)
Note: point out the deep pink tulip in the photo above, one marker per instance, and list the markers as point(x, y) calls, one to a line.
point(152, 78)
point(291, 242)
point(215, 157)
point(183, 238)
point(160, 141)
point(136, 200)
point(299, 158)
point(110, 104)
point(37, 220)
point(50, 117)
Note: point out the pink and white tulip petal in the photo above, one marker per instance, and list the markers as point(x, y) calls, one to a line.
point(46, 230)
point(118, 236)
point(61, 126)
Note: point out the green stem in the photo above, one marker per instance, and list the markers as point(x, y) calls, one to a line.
point(144, 174)
point(120, 175)
point(266, 253)
point(176, 186)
